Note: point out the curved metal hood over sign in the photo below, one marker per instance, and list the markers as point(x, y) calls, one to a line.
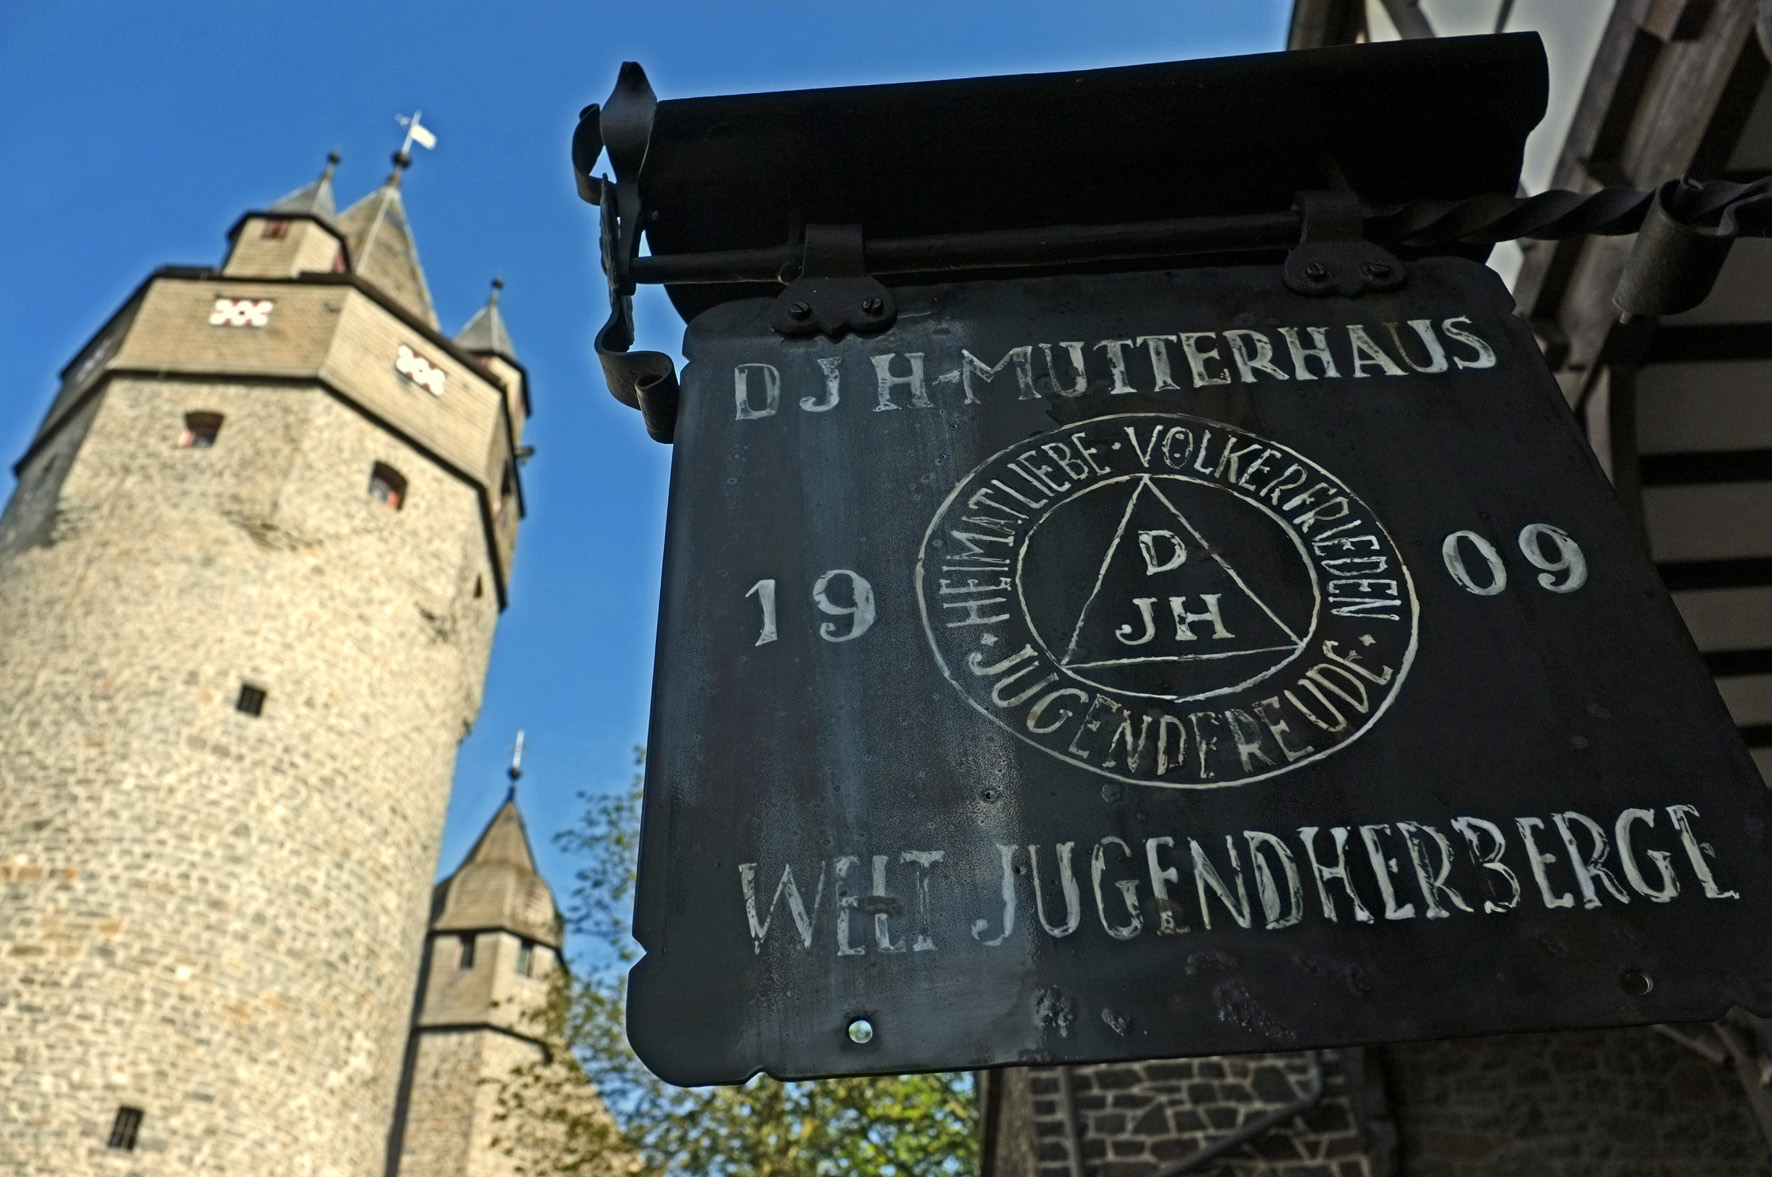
point(1188, 661)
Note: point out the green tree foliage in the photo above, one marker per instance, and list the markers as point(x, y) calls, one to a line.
point(878, 1126)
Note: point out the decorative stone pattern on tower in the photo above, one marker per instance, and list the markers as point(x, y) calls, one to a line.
point(248, 585)
point(492, 952)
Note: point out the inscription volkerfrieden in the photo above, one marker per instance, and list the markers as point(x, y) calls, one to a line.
point(1237, 612)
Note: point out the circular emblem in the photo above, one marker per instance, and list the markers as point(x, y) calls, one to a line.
point(1167, 600)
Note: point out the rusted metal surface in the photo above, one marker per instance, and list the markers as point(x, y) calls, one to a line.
point(1023, 667)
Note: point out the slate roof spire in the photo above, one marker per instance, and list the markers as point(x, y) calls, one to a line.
point(313, 198)
point(497, 885)
point(382, 250)
point(485, 333)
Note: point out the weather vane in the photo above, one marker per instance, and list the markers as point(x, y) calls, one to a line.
point(416, 132)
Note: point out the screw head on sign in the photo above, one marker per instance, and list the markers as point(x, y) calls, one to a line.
point(799, 310)
point(861, 1031)
point(872, 306)
point(1376, 269)
point(1316, 272)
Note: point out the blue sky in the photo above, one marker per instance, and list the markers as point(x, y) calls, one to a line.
point(135, 134)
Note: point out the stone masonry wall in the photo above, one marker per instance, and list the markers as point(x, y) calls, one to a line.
point(1600, 1103)
point(457, 1076)
point(1133, 1119)
point(213, 917)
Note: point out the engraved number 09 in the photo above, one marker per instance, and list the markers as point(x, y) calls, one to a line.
point(1562, 571)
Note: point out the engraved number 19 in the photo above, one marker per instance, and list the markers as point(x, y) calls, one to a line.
point(859, 607)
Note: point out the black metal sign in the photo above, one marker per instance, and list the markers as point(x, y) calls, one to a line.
point(1167, 664)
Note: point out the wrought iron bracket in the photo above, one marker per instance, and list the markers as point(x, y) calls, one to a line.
point(644, 380)
point(834, 293)
point(1683, 242)
point(1333, 255)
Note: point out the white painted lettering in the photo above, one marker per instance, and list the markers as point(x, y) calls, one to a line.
point(1067, 884)
point(1385, 867)
point(747, 880)
point(1682, 816)
point(1197, 358)
point(1538, 860)
point(886, 381)
point(1007, 890)
point(741, 391)
point(1485, 354)
point(1116, 357)
point(833, 383)
point(1473, 828)
point(1161, 877)
point(1206, 877)
point(1261, 847)
point(1633, 874)
point(971, 367)
point(1307, 835)
point(1253, 352)
point(1128, 889)
point(1318, 351)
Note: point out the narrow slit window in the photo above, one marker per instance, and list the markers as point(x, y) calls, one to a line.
point(251, 700)
point(525, 959)
point(125, 1128)
point(275, 229)
point(388, 485)
point(465, 958)
point(200, 431)
point(507, 486)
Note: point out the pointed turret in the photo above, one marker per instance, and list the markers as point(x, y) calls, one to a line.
point(485, 333)
point(382, 250)
point(497, 887)
point(485, 338)
point(312, 199)
point(296, 235)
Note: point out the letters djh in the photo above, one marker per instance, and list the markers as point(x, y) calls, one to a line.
point(1167, 664)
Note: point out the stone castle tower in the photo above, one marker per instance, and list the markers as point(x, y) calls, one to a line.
point(494, 944)
point(248, 585)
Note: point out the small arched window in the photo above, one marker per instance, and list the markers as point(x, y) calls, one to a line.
point(388, 485)
point(200, 431)
point(275, 229)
